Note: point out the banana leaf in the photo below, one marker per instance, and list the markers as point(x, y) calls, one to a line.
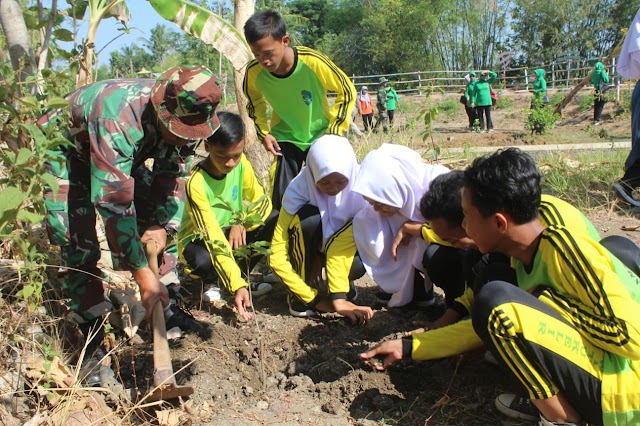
point(208, 27)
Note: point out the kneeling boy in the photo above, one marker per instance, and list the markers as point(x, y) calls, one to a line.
point(225, 175)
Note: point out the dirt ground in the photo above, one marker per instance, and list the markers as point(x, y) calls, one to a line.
point(281, 370)
point(574, 126)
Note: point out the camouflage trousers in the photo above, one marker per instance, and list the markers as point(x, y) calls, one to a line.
point(71, 224)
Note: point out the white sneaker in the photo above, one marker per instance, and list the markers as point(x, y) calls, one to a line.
point(212, 294)
point(298, 309)
point(260, 288)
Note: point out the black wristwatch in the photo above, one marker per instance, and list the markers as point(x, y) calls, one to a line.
point(407, 347)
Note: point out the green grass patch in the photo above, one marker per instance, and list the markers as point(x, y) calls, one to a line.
point(449, 107)
point(556, 98)
point(624, 105)
point(505, 102)
point(585, 102)
point(582, 179)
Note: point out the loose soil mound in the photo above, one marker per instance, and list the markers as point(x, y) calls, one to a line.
point(281, 370)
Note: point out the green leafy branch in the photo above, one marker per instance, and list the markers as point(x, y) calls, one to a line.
point(25, 179)
point(428, 114)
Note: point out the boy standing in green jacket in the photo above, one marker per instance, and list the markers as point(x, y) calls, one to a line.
point(383, 114)
point(471, 112)
point(294, 81)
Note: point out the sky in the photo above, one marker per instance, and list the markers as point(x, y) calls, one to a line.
point(143, 18)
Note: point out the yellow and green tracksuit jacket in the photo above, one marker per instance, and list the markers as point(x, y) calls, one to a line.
point(205, 215)
point(460, 337)
point(301, 111)
point(288, 257)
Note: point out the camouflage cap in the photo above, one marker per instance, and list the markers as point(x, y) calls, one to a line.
point(185, 99)
point(383, 80)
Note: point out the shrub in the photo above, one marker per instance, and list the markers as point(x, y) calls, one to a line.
point(540, 118)
point(505, 102)
point(556, 98)
point(24, 178)
point(624, 105)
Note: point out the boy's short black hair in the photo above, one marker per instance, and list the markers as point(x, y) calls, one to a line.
point(443, 199)
point(230, 132)
point(506, 181)
point(264, 24)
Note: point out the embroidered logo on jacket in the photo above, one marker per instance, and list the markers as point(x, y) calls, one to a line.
point(306, 97)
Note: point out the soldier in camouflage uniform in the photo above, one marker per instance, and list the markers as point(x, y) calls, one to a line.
point(383, 116)
point(116, 125)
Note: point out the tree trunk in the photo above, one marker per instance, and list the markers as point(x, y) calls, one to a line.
point(259, 158)
point(85, 73)
point(15, 30)
point(46, 32)
point(563, 103)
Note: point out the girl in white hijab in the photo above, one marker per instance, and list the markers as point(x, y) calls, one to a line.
point(392, 179)
point(314, 230)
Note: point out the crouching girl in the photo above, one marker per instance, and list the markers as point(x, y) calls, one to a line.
point(314, 232)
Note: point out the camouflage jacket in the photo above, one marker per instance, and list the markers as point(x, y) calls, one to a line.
point(113, 131)
point(382, 99)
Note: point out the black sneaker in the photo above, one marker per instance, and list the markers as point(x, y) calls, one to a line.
point(517, 407)
point(182, 319)
point(435, 310)
point(352, 296)
point(298, 308)
point(259, 288)
point(90, 367)
point(626, 191)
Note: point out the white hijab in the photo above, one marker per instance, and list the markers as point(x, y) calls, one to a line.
point(328, 154)
point(396, 176)
point(629, 59)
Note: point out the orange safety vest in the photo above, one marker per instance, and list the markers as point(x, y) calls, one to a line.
point(364, 107)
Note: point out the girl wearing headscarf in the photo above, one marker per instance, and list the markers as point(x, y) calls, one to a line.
point(314, 231)
point(481, 98)
point(365, 108)
point(471, 112)
point(539, 89)
point(392, 179)
point(600, 79)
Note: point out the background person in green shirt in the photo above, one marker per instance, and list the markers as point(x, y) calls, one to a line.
point(392, 103)
point(600, 79)
point(539, 89)
point(481, 98)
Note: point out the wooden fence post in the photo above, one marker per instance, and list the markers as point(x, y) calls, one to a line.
point(553, 75)
point(526, 79)
point(419, 83)
point(613, 77)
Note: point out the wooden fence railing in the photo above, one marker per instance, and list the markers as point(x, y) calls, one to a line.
point(559, 76)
